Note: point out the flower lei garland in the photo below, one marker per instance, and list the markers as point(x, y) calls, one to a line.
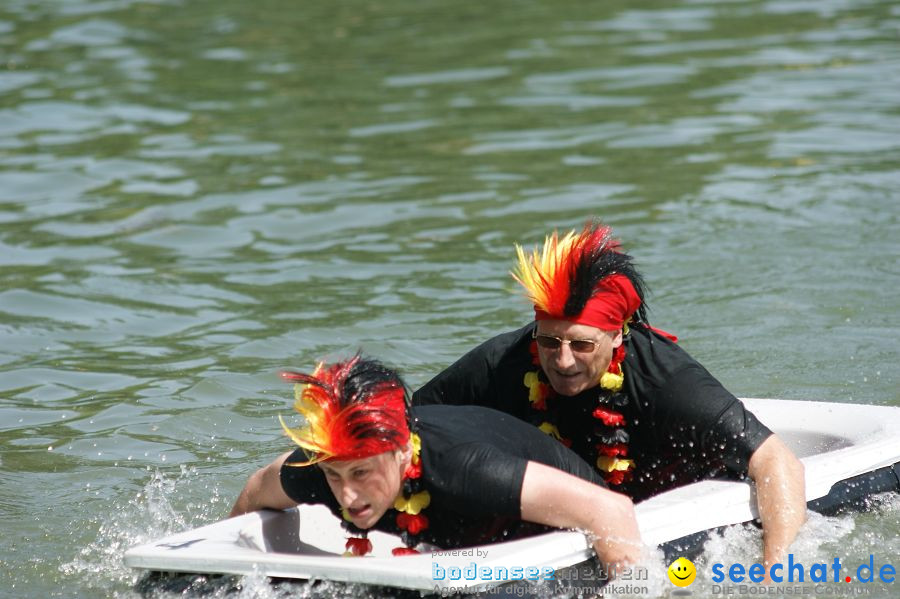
point(409, 505)
point(609, 440)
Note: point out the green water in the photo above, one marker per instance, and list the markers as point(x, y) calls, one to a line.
point(196, 194)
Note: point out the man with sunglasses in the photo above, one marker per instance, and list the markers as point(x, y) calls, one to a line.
point(591, 372)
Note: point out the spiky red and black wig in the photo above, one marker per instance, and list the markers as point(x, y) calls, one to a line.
point(584, 278)
point(353, 409)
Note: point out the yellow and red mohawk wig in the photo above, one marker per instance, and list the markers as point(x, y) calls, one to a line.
point(353, 409)
point(583, 277)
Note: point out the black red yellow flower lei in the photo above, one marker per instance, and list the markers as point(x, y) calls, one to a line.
point(610, 439)
point(409, 505)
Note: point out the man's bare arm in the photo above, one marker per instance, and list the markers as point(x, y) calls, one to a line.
point(780, 496)
point(555, 498)
point(263, 490)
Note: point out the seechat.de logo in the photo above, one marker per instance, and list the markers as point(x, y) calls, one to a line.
point(794, 571)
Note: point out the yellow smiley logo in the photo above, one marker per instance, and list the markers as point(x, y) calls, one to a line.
point(682, 572)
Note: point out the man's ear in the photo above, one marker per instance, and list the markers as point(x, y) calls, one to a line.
point(404, 454)
point(617, 340)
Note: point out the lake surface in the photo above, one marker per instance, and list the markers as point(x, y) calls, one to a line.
point(196, 194)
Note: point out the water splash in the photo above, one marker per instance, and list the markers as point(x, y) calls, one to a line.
point(256, 586)
point(148, 515)
point(850, 536)
point(652, 581)
point(151, 514)
point(155, 512)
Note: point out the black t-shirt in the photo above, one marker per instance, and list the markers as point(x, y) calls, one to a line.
point(473, 464)
point(682, 424)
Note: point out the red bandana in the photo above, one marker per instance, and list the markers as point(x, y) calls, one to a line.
point(612, 304)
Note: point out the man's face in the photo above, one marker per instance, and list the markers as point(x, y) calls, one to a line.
point(571, 372)
point(366, 488)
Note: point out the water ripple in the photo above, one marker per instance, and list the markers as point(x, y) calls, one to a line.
point(195, 195)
